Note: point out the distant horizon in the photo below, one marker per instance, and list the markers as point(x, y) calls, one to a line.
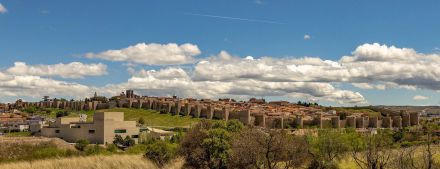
point(336, 54)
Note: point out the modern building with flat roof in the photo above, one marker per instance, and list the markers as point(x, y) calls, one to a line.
point(103, 129)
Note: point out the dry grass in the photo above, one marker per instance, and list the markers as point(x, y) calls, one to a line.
point(35, 140)
point(93, 162)
point(349, 163)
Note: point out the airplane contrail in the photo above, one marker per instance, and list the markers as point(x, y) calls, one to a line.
point(235, 18)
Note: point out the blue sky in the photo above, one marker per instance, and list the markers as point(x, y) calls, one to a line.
point(44, 32)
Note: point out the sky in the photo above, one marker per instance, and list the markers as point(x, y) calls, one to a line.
point(338, 53)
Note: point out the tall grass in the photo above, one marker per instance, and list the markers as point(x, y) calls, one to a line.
point(25, 151)
point(93, 162)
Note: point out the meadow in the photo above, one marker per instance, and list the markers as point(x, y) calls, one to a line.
point(151, 117)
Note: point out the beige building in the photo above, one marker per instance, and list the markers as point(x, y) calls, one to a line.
point(103, 129)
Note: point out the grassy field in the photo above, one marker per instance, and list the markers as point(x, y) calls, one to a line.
point(356, 110)
point(52, 112)
point(154, 118)
point(93, 162)
point(18, 134)
point(349, 163)
point(151, 117)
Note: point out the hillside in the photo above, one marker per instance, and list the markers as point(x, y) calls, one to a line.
point(151, 117)
point(154, 118)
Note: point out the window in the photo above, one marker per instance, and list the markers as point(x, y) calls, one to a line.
point(91, 131)
point(120, 131)
point(57, 131)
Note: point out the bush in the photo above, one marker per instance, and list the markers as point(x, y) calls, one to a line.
point(161, 152)
point(62, 114)
point(118, 140)
point(82, 144)
point(128, 141)
point(123, 143)
point(30, 109)
point(137, 149)
point(146, 138)
point(112, 148)
point(95, 149)
point(21, 151)
point(177, 137)
point(208, 144)
point(141, 121)
point(48, 152)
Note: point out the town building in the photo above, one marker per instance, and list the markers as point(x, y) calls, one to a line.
point(103, 129)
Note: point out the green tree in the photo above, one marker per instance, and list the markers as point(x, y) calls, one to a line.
point(81, 144)
point(208, 144)
point(217, 147)
point(128, 141)
point(374, 151)
point(141, 121)
point(118, 141)
point(30, 109)
point(177, 137)
point(234, 125)
point(329, 146)
point(256, 148)
point(123, 143)
point(161, 152)
point(62, 114)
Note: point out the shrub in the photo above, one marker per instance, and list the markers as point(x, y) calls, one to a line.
point(95, 149)
point(137, 149)
point(141, 121)
point(62, 114)
point(48, 152)
point(118, 141)
point(81, 144)
point(234, 125)
point(161, 152)
point(30, 109)
point(112, 148)
point(128, 141)
point(21, 151)
point(208, 144)
point(123, 143)
point(146, 138)
point(177, 137)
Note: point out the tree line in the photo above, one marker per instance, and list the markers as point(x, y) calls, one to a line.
point(224, 145)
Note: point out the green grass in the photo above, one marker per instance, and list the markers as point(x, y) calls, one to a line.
point(18, 134)
point(364, 110)
point(154, 118)
point(151, 117)
point(10, 152)
point(52, 112)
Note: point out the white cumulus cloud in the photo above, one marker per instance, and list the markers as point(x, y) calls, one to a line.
point(307, 37)
point(36, 87)
point(70, 70)
point(152, 54)
point(176, 81)
point(369, 66)
point(381, 65)
point(3, 9)
point(420, 97)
